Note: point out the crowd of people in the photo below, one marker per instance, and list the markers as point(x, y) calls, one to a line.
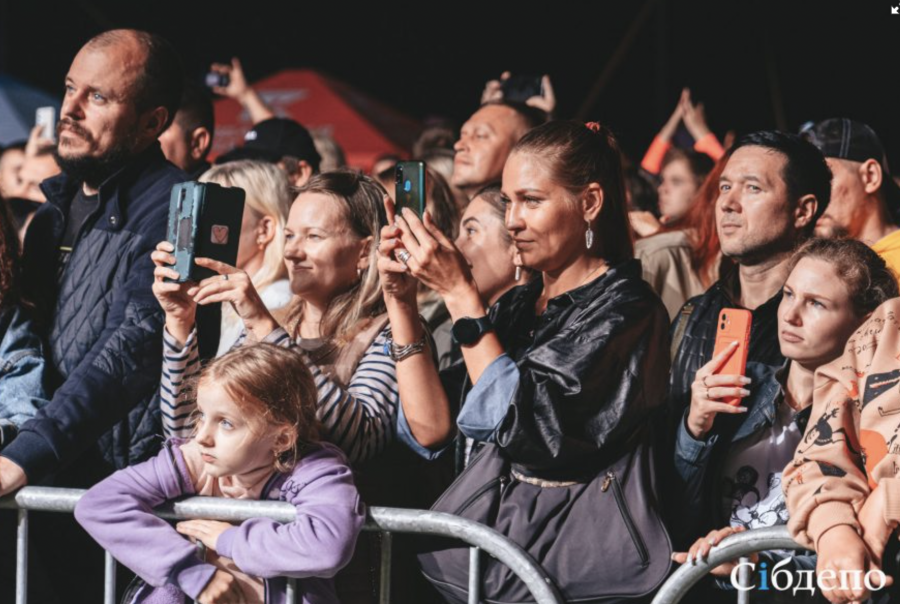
point(534, 351)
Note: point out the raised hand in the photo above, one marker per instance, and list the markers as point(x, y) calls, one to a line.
point(433, 259)
point(396, 282)
point(694, 116)
point(709, 389)
point(174, 298)
point(234, 286)
point(237, 83)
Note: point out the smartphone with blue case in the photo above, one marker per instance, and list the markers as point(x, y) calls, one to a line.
point(204, 222)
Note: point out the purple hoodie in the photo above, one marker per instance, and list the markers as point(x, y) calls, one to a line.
point(117, 513)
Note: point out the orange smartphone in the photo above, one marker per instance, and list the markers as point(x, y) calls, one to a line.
point(734, 326)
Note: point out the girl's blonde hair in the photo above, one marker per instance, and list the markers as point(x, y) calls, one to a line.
point(274, 384)
point(268, 193)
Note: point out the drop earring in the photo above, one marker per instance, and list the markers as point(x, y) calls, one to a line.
point(589, 235)
point(518, 273)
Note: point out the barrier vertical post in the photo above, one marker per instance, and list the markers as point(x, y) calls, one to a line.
point(22, 558)
point(384, 591)
point(109, 579)
point(291, 591)
point(474, 575)
point(744, 580)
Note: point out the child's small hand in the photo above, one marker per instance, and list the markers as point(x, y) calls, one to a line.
point(222, 588)
point(205, 531)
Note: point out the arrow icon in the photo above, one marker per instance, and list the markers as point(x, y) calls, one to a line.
point(895, 10)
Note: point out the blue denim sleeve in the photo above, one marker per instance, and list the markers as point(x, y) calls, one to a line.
point(22, 391)
point(691, 454)
point(488, 401)
point(404, 434)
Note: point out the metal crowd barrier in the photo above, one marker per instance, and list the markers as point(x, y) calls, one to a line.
point(731, 548)
point(384, 520)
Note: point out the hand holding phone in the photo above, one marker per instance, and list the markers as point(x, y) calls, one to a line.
point(721, 384)
point(204, 222)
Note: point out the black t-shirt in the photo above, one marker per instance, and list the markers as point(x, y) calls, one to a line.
point(82, 207)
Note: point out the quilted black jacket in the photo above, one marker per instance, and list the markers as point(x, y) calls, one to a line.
point(103, 323)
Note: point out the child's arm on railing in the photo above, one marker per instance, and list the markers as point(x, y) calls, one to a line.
point(118, 513)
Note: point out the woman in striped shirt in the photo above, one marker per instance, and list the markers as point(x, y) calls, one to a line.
point(339, 325)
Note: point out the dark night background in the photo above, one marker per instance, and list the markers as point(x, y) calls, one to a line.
point(754, 64)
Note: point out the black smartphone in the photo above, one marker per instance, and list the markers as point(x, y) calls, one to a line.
point(217, 80)
point(409, 185)
point(520, 88)
point(204, 222)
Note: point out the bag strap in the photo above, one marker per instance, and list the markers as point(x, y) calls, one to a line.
point(680, 327)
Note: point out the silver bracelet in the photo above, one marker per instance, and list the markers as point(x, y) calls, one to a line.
point(398, 353)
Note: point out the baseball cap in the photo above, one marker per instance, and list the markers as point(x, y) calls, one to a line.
point(274, 138)
point(843, 138)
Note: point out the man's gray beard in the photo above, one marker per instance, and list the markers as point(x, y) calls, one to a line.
point(93, 171)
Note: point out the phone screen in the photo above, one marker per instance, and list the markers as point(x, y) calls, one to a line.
point(46, 118)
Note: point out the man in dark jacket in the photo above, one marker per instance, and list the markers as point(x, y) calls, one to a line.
point(87, 265)
point(773, 189)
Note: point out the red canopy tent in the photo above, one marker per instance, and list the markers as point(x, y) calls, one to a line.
point(364, 127)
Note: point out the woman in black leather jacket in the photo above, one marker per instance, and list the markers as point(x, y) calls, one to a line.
point(566, 371)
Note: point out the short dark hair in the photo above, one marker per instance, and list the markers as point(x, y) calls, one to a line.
point(196, 108)
point(805, 171)
point(532, 117)
point(160, 83)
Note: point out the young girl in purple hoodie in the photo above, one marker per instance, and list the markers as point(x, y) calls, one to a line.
point(255, 437)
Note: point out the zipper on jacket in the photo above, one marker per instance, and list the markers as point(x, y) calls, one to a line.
point(500, 480)
point(611, 479)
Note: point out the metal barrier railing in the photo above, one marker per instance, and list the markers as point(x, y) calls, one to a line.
point(384, 520)
point(731, 548)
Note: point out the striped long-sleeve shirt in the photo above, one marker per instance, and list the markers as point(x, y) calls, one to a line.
point(360, 419)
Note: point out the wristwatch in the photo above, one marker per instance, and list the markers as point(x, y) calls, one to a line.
point(467, 331)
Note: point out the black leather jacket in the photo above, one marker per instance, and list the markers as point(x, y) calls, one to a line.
point(591, 367)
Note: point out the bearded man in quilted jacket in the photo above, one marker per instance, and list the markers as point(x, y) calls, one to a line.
point(87, 265)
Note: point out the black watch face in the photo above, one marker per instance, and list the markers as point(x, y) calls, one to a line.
point(468, 331)
point(465, 331)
